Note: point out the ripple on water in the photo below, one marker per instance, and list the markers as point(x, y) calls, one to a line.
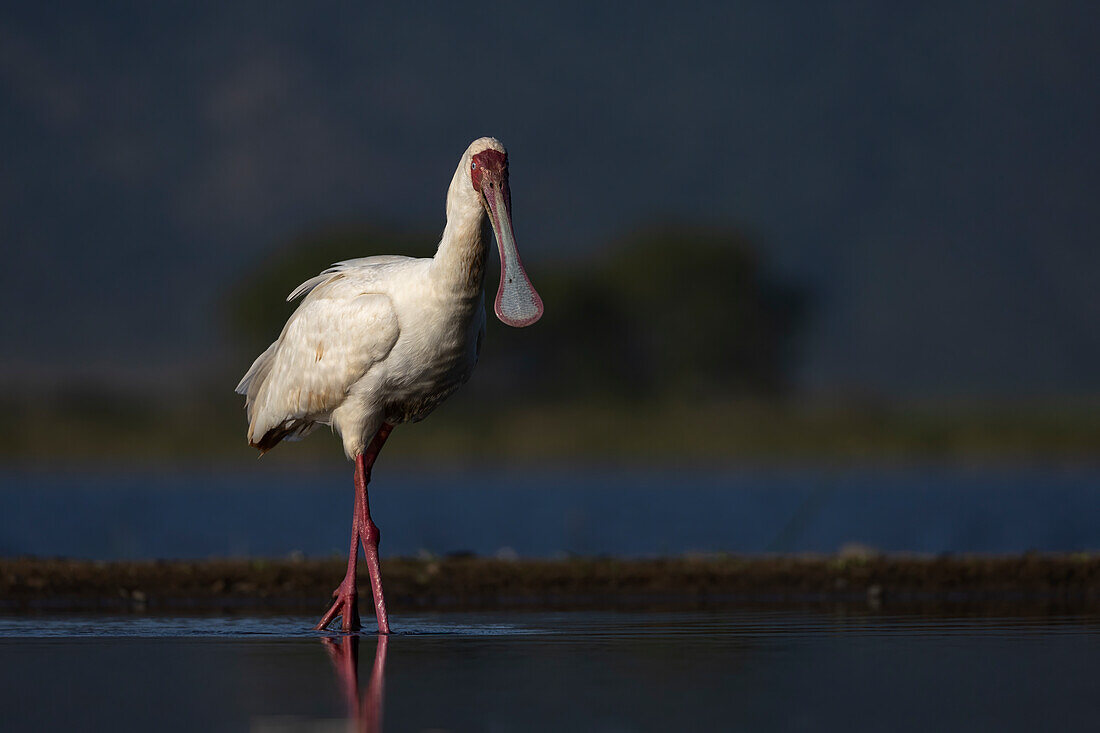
point(564, 626)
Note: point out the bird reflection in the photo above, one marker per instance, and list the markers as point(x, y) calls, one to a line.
point(365, 712)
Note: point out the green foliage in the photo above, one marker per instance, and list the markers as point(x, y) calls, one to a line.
point(667, 312)
point(258, 309)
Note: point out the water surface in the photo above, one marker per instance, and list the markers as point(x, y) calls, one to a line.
point(542, 512)
point(785, 669)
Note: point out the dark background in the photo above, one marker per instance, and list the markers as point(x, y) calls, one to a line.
point(866, 215)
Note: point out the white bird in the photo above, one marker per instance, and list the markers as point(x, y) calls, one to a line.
point(383, 340)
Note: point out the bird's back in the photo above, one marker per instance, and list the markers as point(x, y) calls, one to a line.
point(345, 324)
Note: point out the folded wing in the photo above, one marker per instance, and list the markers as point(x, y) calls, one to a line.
point(338, 333)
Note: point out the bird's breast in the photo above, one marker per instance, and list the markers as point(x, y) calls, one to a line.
point(435, 354)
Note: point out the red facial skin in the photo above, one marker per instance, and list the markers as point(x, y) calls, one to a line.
point(491, 167)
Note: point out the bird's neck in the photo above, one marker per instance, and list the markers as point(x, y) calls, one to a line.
point(460, 260)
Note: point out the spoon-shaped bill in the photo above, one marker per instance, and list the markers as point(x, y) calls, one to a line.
point(517, 303)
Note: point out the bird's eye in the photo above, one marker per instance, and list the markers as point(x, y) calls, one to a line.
point(473, 165)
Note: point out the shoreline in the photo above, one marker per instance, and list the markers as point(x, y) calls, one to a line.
point(458, 583)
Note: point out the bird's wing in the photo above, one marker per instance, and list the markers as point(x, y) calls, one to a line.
point(335, 336)
point(361, 264)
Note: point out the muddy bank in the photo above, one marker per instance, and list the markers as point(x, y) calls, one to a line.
point(472, 582)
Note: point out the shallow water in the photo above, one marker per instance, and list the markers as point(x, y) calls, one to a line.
point(531, 671)
point(542, 512)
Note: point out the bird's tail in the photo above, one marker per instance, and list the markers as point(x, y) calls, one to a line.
point(291, 430)
point(250, 386)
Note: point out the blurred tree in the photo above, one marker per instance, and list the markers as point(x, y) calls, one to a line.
point(668, 312)
point(258, 309)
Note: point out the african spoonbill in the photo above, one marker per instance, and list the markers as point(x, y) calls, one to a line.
point(383, 340)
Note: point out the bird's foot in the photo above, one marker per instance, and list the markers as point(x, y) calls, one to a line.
point(346, 606)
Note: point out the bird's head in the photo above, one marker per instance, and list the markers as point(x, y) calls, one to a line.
point(517, 303)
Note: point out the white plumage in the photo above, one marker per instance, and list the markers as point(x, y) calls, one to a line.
point(380, 341)
point(387, 338)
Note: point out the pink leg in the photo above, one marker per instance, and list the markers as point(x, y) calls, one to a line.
point(347, 594)
point(362, 529)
